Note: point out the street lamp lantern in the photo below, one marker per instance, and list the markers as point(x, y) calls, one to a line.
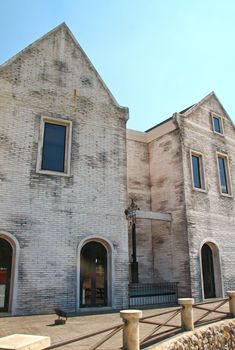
point(130, 213)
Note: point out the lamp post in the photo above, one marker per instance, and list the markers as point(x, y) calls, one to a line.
point(130, 213)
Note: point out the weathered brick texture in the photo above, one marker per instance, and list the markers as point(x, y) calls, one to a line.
point(160, 176)
point(210, 215)
point(50, 215)
point(156, 178)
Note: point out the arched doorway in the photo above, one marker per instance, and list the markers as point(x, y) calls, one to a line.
point(208, 272)
point(6, 253)
point(93, 275)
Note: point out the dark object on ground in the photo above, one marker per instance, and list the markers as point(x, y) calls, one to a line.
point(61, 315)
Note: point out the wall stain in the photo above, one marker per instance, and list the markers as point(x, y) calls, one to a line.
point(61, 66)
point(86, 81)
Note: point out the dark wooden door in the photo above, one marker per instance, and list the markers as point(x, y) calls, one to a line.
point(93, 281)
point(5, 273)
point(208, 272)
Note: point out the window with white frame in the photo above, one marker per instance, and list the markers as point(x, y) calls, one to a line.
point(54, 146)
point(217, 123)
point(224, 174)
point(198, 178)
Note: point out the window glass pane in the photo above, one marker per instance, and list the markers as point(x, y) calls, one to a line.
point(223, 176)
point(217, 127)
point(196, 171)
point(53, 147)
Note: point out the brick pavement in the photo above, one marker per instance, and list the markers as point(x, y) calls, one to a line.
point(77, 326)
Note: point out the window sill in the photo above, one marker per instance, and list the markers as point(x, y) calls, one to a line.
point(199, 190)
point(218, 133)
point(226, 195)
point(50, 172)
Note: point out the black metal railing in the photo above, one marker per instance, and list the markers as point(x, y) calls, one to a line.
point(141, 294)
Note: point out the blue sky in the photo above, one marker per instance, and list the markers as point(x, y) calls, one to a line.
point(156, 57)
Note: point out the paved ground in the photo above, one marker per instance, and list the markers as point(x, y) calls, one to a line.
point(81, 325)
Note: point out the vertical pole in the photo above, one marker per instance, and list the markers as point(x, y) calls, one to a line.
point(131, 329)
point(130, 213)
point(134, 263)
point(231, 295)
point(187, 321)
point(133, 241)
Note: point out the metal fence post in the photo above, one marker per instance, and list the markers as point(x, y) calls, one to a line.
point(231, 295)
point(131, 329)
point(187, 321)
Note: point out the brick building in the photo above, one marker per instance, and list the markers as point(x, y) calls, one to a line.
point(63, 180)
point(185, 166)
point(67, 166)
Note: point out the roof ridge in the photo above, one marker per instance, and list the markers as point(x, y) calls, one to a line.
point(34, 43)
point(64, 25)
point(189, 110)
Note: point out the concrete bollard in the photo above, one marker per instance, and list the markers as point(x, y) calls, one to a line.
point(231, 295)
point(187, 321)
point(24, 342)
point(131, 329)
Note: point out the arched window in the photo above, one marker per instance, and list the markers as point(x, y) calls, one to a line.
point(6, 253)
point(93, 275)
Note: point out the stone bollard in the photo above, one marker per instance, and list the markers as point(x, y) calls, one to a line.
point(231, 295)
point(187, 313)
point(131, 329)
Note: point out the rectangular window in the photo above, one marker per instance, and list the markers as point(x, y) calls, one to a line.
point(224, 177)
point(197, 171)
point(217, 124)
point(54, 146)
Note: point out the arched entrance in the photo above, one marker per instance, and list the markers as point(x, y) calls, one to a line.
point(6, 253)
point(208, 272)
point(93, 275)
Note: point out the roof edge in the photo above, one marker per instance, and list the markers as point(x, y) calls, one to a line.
point(64, 25)
point(159, 124)
point(125, 109)
point(197, 105)
point(34, 43)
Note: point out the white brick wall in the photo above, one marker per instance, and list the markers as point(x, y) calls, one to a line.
point(210, 215)
point(155, 176)
point(50, 215)
point(159, 174)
